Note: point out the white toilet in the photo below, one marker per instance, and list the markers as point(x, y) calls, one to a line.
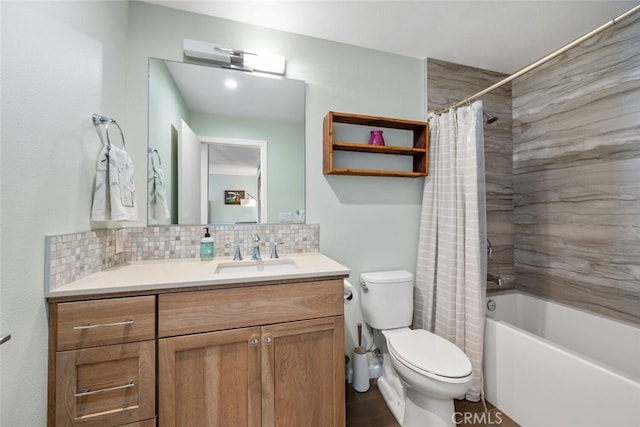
point(422, 372)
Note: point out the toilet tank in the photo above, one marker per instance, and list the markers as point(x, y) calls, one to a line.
point(386, 298)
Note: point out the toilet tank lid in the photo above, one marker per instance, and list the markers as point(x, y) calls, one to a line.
point(390, 276)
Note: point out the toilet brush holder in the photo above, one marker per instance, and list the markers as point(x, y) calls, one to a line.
point(360, 380)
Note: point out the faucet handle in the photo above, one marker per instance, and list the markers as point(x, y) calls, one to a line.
point(256, 238)
point(237, 255)
point(274, 250)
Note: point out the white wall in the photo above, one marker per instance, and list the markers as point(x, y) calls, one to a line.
point(63, 61)
point(219, 213)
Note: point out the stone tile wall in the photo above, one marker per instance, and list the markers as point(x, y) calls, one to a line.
point(448, 83)
point(73, 256)
point(576, 165)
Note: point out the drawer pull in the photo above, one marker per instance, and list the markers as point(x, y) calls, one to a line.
point(4, 338)
point(89, 392)
point(103, 325)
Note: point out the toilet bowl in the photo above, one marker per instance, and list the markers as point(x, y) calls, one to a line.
point(434, 372)
point(422, 372)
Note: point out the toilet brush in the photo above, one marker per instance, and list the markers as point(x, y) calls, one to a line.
point(360, 365)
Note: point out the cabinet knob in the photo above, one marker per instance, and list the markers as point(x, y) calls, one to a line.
point(267, 340)
point(254, 341)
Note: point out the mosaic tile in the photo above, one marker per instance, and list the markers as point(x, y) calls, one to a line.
point(70, 257)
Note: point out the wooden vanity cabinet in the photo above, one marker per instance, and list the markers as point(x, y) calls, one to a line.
point(210, 379)
point(303, 373)
point(250, 355)
point(273, 357)
point(103, 362)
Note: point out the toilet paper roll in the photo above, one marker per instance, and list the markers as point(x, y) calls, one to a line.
point(350, 293)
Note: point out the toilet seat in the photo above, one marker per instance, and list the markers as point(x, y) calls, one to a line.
point(429, 355)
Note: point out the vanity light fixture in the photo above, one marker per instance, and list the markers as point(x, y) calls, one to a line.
point(235, 59)
point(265, 63)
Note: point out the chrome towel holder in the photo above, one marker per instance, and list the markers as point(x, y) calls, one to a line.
point(151, 152)
point(103, 120)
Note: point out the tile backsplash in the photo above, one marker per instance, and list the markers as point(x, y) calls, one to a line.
point(70, 257)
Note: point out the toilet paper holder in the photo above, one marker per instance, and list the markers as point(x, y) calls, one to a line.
point(350, 294)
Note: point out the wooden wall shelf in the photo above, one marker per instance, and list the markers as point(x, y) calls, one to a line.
point(419, 151)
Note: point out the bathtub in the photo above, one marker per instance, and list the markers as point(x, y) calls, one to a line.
point(551, 365)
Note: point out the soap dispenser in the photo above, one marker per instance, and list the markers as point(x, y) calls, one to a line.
point(206, 246)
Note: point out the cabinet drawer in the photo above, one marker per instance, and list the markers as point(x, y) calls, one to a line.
point(100, 322)
point(201, 311)
point(106, 386)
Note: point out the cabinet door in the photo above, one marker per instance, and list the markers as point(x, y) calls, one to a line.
point(303, 373)
point(106, 386)
point(210, 379)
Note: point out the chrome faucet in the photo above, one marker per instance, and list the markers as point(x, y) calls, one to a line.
point(256, 248)
point(274, 250)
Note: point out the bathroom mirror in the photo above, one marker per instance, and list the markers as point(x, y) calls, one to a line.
point(209, 140)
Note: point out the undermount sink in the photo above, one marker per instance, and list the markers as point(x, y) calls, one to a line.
point(255, 266)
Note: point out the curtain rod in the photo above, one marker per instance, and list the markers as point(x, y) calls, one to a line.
point(539, 62)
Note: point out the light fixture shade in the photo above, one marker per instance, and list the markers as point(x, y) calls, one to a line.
point(266, 63)
point(208, 51)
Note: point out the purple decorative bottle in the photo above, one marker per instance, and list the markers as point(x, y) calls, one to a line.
point(376, 138)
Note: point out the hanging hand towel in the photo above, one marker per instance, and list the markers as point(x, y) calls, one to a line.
point(158, 208)
point(114, 197)
point(121, 186)
point(101, 209)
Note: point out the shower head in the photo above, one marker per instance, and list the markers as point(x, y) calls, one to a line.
point(490, 117)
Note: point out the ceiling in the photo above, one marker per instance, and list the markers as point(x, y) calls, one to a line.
point(502, 36)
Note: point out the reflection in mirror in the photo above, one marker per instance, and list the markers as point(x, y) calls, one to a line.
point(206, 138)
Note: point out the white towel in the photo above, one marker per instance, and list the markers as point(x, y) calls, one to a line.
point(158, 208)
point(114, 197)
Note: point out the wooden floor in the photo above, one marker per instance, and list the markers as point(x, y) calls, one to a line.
point(369, 410)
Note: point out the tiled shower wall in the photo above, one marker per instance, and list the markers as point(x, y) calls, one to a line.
point(576, 166)
point(448, 83)
point(73, 256)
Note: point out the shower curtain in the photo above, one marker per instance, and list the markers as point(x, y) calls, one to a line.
point(451, 265)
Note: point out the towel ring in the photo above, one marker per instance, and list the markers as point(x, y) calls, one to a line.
point(151, 152)
point(101, 120)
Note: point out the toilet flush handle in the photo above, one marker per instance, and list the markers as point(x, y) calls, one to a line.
point(363, 285)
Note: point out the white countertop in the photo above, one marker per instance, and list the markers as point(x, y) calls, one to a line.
point(177, 273)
